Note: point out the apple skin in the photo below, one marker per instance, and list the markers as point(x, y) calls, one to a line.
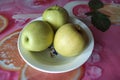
point(37, 36)
point(56, 16)
point(69, 41)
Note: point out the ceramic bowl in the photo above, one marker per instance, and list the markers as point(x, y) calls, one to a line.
point(47, 62)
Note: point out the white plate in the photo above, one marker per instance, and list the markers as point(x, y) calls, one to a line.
point(42, 61)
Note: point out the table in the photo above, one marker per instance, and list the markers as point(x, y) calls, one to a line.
point(102, 65)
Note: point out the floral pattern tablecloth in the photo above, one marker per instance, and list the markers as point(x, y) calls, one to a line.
point(103, 64)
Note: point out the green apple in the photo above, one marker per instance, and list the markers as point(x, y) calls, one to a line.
point(69, 41)
point(37, 36)
point(56, 16)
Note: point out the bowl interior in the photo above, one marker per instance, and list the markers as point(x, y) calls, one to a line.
point(46, 62)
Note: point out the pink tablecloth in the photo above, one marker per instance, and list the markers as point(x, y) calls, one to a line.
point(102, 65)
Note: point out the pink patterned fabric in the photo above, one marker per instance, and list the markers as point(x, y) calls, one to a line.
point(105, 60)
point(8, 75)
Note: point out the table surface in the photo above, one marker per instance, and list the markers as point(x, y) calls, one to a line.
point(103, 64)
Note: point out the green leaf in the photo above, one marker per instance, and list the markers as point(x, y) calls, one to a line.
point(89, 13)
point(100, 21)
point(95, 4)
